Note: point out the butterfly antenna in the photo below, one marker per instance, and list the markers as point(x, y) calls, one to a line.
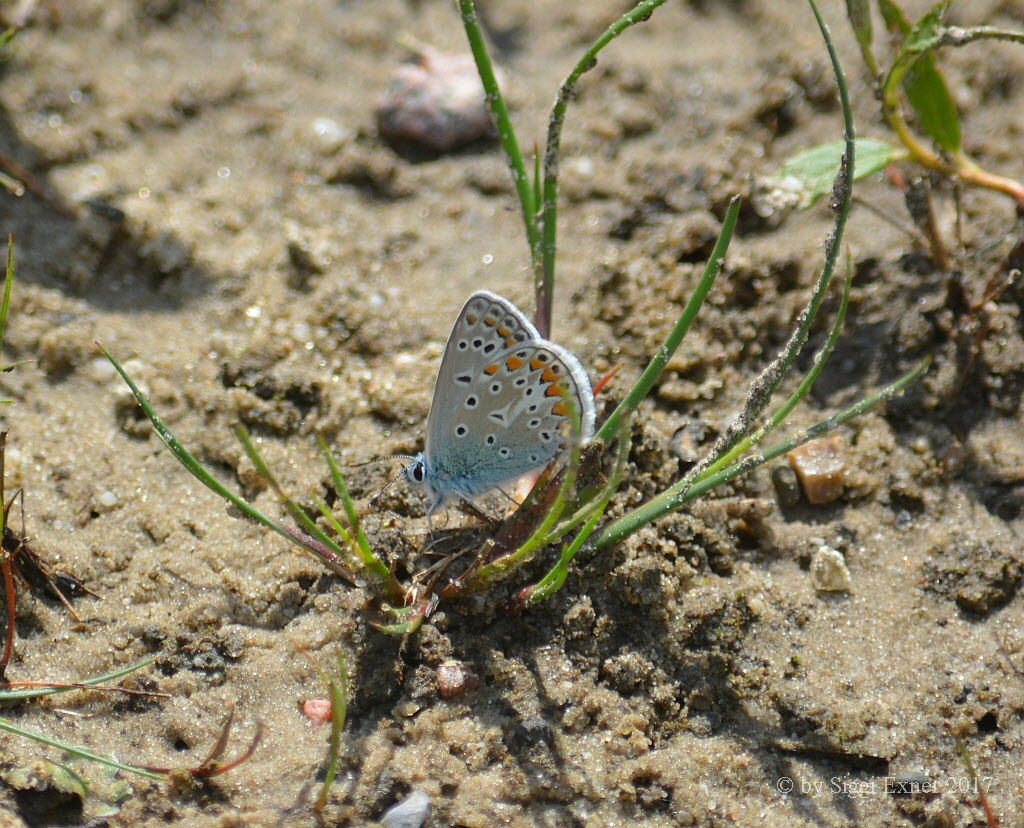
point(390, 483)
point(377, 460)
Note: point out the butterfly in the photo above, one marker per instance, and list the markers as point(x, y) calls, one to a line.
point(501, 406)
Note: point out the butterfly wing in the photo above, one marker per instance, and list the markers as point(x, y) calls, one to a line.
point(502, 400)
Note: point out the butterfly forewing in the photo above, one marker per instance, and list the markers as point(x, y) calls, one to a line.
point(486, 326)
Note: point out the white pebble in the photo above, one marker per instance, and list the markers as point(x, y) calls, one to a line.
point(583, 166)
point(829, 572)
point(108, 500)
point(100, 370)
point(411, 812)
point(330, 135)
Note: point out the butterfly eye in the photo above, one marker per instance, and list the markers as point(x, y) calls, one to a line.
point(416, 472)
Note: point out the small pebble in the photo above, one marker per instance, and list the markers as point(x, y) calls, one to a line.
point(317, 711)
point(829, 572)
point(820, 467)
point(454, 679)
point(411, 812)
point(100, 370)
point(787, 486)
point(329, 134)
point(107, 500)
point(436, 103)
point(407, 708)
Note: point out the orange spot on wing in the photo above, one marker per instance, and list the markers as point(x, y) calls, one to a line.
point(513, 363)
point(510, 341)
point(491, 369)
point(503, 331)
point(553, 390)
point(536, 364)
point(559, 409)
point(549, 375)
point(471, 318)
point(490, 321)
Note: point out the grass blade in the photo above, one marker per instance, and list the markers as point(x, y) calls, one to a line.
point(502, 121)
point(35, 692)
point(196, 469)
point(544, 260)
point(73, 750)
point(686, 490)
point(8, 283)
point(805, 385)
point(338, 690)
point(642, 387)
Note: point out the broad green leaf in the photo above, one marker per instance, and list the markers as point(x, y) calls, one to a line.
point(925, 86)
point(859, 14)
point(929, 96)
point(895, 20)
point(926, 33)
point(813, 171)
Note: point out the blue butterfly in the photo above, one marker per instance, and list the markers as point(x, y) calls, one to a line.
point(501, 405)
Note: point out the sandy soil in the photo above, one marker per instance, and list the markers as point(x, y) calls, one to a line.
point(277, 264)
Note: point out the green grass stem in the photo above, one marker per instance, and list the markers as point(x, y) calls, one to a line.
point(804, 387)
point(502, 121)
point(5, 304)
point(83, 753)
point(556, 576)
point(545, 288)
point(687, 490)
point(539, 202)
point(359, 544)
point(7, 696)
point(74, 750)
point(642, 387)
point(196, 469)
point(337, 689)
